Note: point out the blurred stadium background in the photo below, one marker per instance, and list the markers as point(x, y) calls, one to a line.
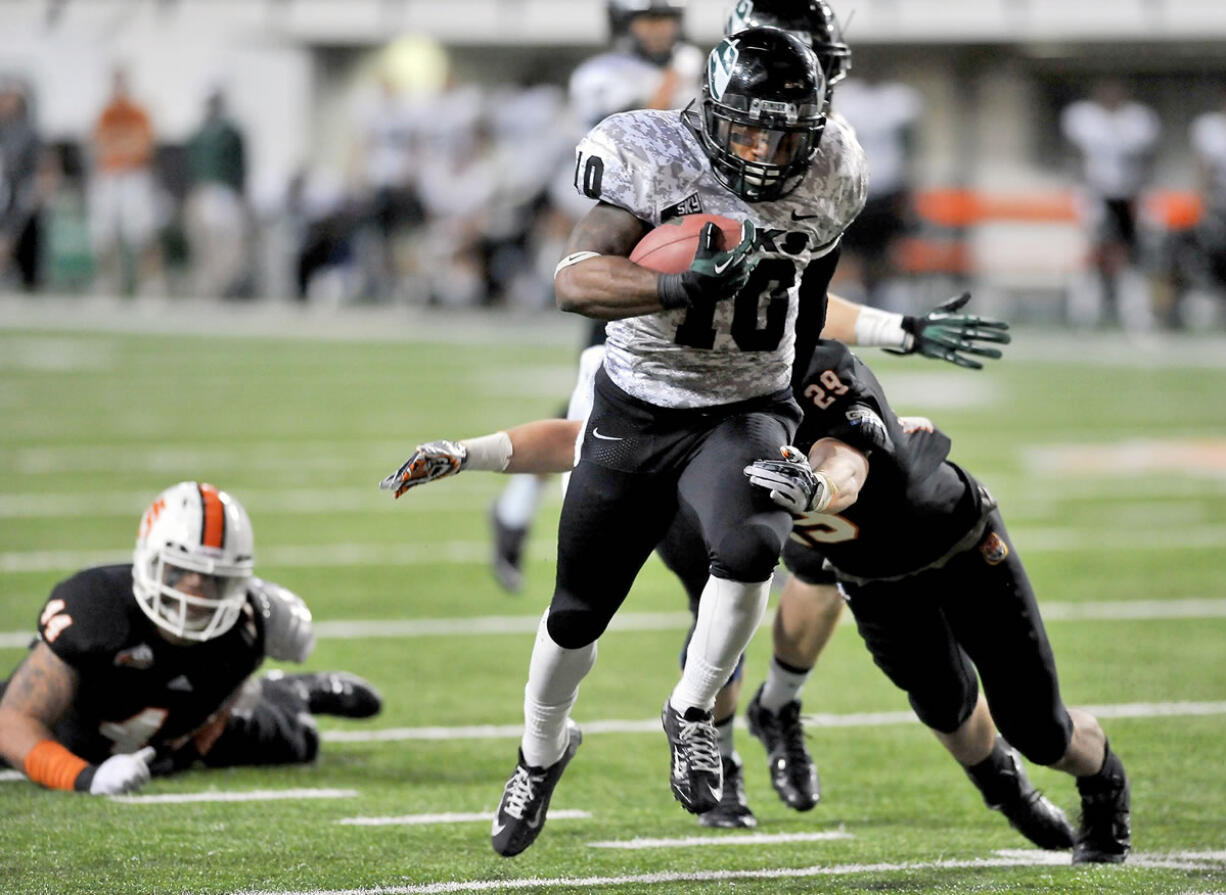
point(283, 341)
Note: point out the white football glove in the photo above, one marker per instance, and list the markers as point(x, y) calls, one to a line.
point(122, 773)
point(288, 633)
point(792, 482)
point(430, 462)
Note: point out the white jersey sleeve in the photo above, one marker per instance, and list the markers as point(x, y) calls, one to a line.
point(612, 169)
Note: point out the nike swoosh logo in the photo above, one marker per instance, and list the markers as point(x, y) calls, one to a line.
point(596, 433)
point(715, 793)
point(804, 217)
point(497, 828)
point(720, 268)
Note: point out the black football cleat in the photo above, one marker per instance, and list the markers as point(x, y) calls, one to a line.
point(1035, 817)
point(1005, 787)
point(336, 693)
point(732, 812)
point(696, 769)
point(793, 773)
point(507, 560)
point(1105, 834)
point(525, 799)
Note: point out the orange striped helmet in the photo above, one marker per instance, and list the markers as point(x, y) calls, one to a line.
point(193, 561)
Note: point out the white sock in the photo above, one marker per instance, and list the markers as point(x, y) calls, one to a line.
point(553, 684)
point(727, 748)
point(728, 614)
point(782, 686)
point(516, 506)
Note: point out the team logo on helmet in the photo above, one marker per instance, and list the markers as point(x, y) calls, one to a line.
point(720, 66)
point(738, 19)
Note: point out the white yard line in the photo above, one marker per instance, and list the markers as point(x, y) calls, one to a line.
point(448, 818)
point(1179, 860)
point(1106, 610)
point(717, 839)
point(253, 795)
point(1028, 540)
point(11, 776)
point(652, 725)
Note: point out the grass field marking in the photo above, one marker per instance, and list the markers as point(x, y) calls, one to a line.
point(717, 839)
point(251, 795)
point(1028, 540)
point(852, 719)
point(11, 776)
point(1006, 859)
point(340, 629)
point(449, 818)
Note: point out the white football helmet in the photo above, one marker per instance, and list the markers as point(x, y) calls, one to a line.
point(195, 532)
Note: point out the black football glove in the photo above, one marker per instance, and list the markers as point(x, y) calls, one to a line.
point(948, 336)
point(713, 274)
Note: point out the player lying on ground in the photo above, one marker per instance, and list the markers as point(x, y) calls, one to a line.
point(147, 668)
point(936, 588)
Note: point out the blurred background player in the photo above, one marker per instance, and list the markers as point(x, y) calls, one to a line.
point(216, 217)
point(123, 198)
point(21, 195)
point(649, 66)
point(884, 115)
point(1116, 138)
point(147, 668)
point(1207, 136)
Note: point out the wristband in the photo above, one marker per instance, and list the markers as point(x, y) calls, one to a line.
point(670, 287)
point(876, 328)
point(573, 258)
point(53, 766)
point(491, 453)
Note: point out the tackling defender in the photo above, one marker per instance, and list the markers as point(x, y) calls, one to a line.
point(147, 668)
point(937, 589)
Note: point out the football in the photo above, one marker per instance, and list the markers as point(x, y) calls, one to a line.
point(670, 247)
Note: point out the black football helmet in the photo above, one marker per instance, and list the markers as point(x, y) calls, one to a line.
point(811, 20)
point(763, 112)
point(622, 12)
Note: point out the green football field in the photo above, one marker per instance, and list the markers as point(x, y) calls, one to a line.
point(1108, 459)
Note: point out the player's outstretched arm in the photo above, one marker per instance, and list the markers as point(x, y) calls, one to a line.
point(541, 446)
point(39, 693)
point(827, 481)
point(942, 333)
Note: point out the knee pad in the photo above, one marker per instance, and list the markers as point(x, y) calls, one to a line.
point(944, 712)
point(750, 551)
point(573, 625)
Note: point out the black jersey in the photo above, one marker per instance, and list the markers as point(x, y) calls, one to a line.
point(135, 686)
point(915, 506)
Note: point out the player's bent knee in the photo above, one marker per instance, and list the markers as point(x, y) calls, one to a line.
point(575, 628)
point(943, 712)
point(749, 552)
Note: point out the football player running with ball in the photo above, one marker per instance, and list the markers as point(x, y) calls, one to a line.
point(146, 668)
point(695, 385)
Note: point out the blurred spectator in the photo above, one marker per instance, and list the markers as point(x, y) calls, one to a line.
point(1116, 138)
point(387, 165)
point(884, 115)
point(1208, 138)
point(123, 212)
point(215, 213)
point(20, 194)
point(322, 224)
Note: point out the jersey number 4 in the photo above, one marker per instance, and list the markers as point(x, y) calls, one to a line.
point(771, 280)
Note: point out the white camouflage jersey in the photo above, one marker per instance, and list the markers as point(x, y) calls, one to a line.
point(652, 165)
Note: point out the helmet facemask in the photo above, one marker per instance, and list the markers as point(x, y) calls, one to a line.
point(211, 598)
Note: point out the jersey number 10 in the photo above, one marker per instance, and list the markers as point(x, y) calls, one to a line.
point(771, 279)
